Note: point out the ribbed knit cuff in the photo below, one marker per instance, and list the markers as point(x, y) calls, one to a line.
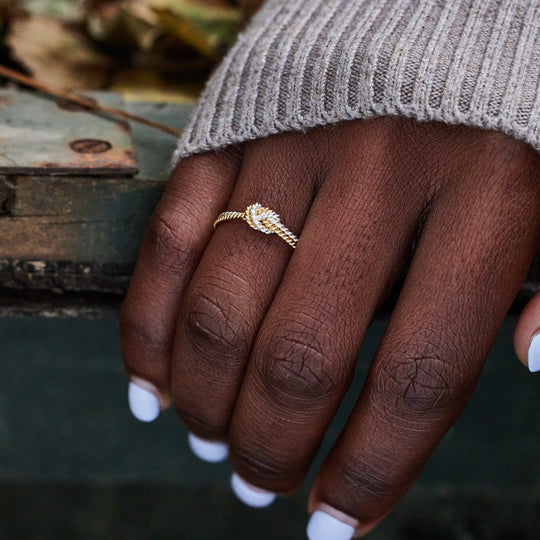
point(306, 63)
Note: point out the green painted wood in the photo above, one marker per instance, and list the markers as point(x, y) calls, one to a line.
point(75, 464)
point(155, 148)
point(41, 135)
point(67, 392)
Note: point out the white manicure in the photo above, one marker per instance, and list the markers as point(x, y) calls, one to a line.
point(250, 495)
point(533, 356)
point(323, 526)
point(210, 451)
point(144, 405)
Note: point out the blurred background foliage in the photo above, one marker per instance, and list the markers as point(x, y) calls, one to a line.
point(152, 50)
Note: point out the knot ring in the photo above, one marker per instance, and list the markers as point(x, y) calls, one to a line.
point(261, 219)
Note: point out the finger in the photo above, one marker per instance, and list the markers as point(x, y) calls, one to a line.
point(234, 285)
point(527, 335)
point(175, 238)
point(350, 252)
point(471, 259)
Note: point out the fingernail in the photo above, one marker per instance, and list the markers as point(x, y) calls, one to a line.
point(323, 526)
point(251, 495)
point(143, 403)
point(533, 356)
point(211, 451)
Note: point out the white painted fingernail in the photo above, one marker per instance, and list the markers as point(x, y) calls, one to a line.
point(144, 405)
point(211, 451)
point(533, 356)
point(323, 526)
point(251, 495)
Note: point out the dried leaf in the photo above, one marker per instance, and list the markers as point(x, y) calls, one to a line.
point(151, 86)
point(209, 27)
point(57, 55)
point(249, 7)
point(129, 25)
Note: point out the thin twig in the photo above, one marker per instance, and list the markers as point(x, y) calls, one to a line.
point(85, 102)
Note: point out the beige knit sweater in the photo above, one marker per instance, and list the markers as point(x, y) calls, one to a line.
point(306, 63)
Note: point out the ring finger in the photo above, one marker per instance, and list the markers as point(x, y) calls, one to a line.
point(234, 284)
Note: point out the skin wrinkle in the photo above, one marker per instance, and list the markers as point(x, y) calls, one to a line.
point(417, 384)
point(216, 427)
point(370, 483)
point(171, 250)
point(285, 468)
point(298, 368)
point(413, 358)
point(281, 407)
point(413, 386)
point(213, 330)
point(316, 316)
point(244, 285)
point(251, 461)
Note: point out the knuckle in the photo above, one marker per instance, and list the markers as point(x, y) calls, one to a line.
point(369, 481)
point(295, 365)
point(423, 375)
point(216, 328)
point(205, 423)
point(269, 471)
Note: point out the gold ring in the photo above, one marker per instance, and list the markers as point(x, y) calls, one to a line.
point(261, 219)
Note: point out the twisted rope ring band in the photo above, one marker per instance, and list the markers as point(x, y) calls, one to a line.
point(261, 219)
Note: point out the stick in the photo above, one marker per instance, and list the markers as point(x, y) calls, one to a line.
point(85, 102)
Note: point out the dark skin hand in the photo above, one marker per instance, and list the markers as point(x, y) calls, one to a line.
point(255, 344)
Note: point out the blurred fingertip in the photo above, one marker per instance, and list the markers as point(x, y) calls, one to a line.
point(209, 451)
point(249, 494)
point(533, 355)
point(324, 526)
point(143, 403)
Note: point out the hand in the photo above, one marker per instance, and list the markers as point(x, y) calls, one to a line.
point(255, 344)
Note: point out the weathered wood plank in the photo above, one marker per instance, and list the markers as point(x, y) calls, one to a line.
point(65, 238)
point(64, 277)
point(43, 136)
point(7, 194)
point(25, 303)
point(86, 199)
point(154, 148)
point(82, 233)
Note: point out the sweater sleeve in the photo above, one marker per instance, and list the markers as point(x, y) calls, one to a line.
point(306, 63)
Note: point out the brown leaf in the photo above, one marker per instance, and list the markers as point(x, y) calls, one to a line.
point(209, 26)
point(129, 25)
point(57, 55)
point(150, 85)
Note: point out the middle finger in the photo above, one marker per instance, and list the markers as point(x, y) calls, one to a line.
point(353, 244)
